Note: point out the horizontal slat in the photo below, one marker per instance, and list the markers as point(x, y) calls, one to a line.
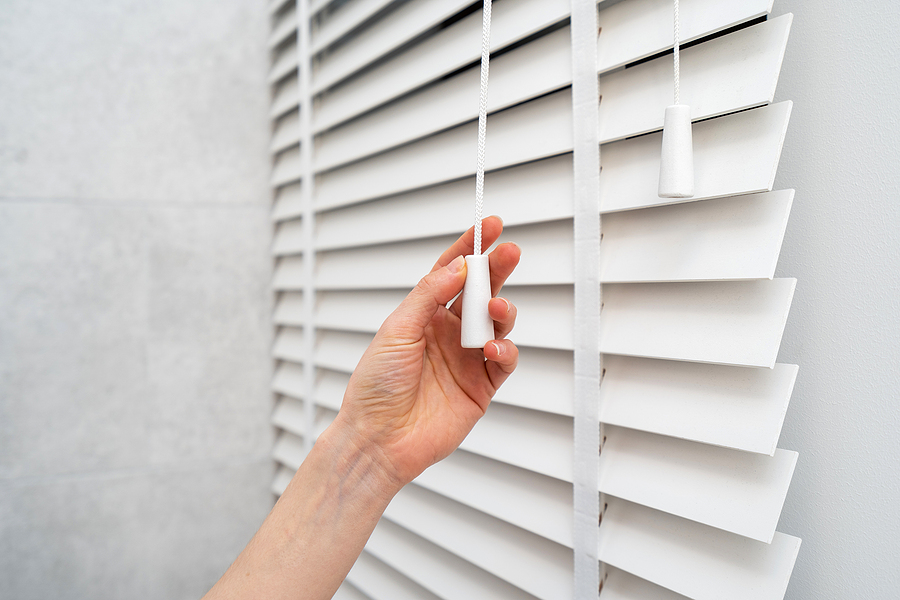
point(285, 62)
point(347, 591)
point(533, 130)
point(316, 6)
point(285, 27)
point(619, 585)
point(533, 440)
point(289, 450)
point(544, 381)
point(282, 478)
point(436, 569)
point(382, 582)
point(340, 351)
point(289, 238)
point(734, 407)
point(736, 154)
point(288, 203)
point(729, 238)
point(287, 167)
point(438, 55)
point(287, 132)
point(276, 5)
point(289, 344)
point(401, 26)
point(695, 560)
point(288, 274)
point(289, 415)
point(286, 96)
point(295, 425)
point(536, 503)
point(730, 73)
point(538, 191)
point(289, 309)
point(356, 310)
point(737, 491)
point(289, 380)
point(733, 322)
point(348, 17)
point(532, 563)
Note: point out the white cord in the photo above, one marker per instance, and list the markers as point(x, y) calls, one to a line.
point(482, 121)
point(677, 43)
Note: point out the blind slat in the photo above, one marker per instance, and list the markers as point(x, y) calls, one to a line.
point(381, 582)
point(348, 17)
point(620, 585)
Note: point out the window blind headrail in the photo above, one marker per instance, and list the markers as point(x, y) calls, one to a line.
point(732, 407)
point(695, 560)
point(732, 323)
point(428, 61)
point(436, 569)
point(634, 99)
point(734, 154)
point(378, 581)
point(736, 491)
point(536, 503)
point(532, 563)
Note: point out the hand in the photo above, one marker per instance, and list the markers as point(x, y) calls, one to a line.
point(416, 392)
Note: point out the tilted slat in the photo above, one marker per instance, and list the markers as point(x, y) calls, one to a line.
point(288, 274)
point(735, 154)
point(363, 310)
point(340, 351)
point(530, 562)
point(289, 415)
point(730, 73)
point(635, 29)
point(285, 27)
point(288, 238)
point(289, 344)
point(538, 191)
point(347, 18)
point(286, 96)
point(728, 238)
point(541, 66)
point(287, 132)
point(542, 381)
point(288, 203)
point(733, 407)
point(438, 55)
point(736, 491)
point(539, 504)
point(282, 478)
point(402, 25)
point(285, 63)
point(620, 585)
point(382, 582)
point(276, 5)
point(436, 569)
point(330, 386)
point(698, 561)
point(347, 591)
point(287, 167)
point(316, 6)
point(289, 450)
point(546, 318)
point(289, 309)
point(529, 439)
point(533, 130)
point(289, 380)
point(731, 322)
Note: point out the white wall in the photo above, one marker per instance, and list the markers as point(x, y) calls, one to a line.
point(134, 303)
point(841, 154)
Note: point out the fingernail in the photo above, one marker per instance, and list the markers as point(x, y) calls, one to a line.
point(500, 348)
point(457, 265)
point(508, 306)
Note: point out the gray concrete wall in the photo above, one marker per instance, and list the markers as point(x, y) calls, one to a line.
point(134, 303)
point(842, 71)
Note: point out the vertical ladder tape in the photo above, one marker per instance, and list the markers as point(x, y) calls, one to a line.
point(307, 186)
point(585, 98)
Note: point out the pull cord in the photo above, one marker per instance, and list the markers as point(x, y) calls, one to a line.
point(482, 121)
point(677, 61)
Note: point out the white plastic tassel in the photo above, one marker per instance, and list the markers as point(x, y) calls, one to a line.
point(676, 165)
point(477, 327)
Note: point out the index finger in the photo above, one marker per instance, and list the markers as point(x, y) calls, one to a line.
point(491, 228)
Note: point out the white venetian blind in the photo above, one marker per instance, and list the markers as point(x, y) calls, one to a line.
point(374, 110)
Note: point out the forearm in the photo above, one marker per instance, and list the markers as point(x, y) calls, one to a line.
point(318, 527)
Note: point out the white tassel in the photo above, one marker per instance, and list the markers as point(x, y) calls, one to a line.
point(477, 325)
point(676, 166)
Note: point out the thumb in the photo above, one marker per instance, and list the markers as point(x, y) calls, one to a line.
point(433, 291)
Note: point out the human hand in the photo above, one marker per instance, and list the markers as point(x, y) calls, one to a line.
point(416, 392)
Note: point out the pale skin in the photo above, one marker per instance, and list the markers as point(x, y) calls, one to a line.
point(411, 401)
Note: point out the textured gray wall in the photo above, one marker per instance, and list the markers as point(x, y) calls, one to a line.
point(134, 303)
point(842, 70)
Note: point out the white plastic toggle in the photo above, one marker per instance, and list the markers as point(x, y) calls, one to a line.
point(477, 326)
point(676, 166)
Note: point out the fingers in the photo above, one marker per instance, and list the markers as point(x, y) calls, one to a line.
point(502, 357)
point(491, 228)
point(436, 289)
point(503, 312)
point(502, 262)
